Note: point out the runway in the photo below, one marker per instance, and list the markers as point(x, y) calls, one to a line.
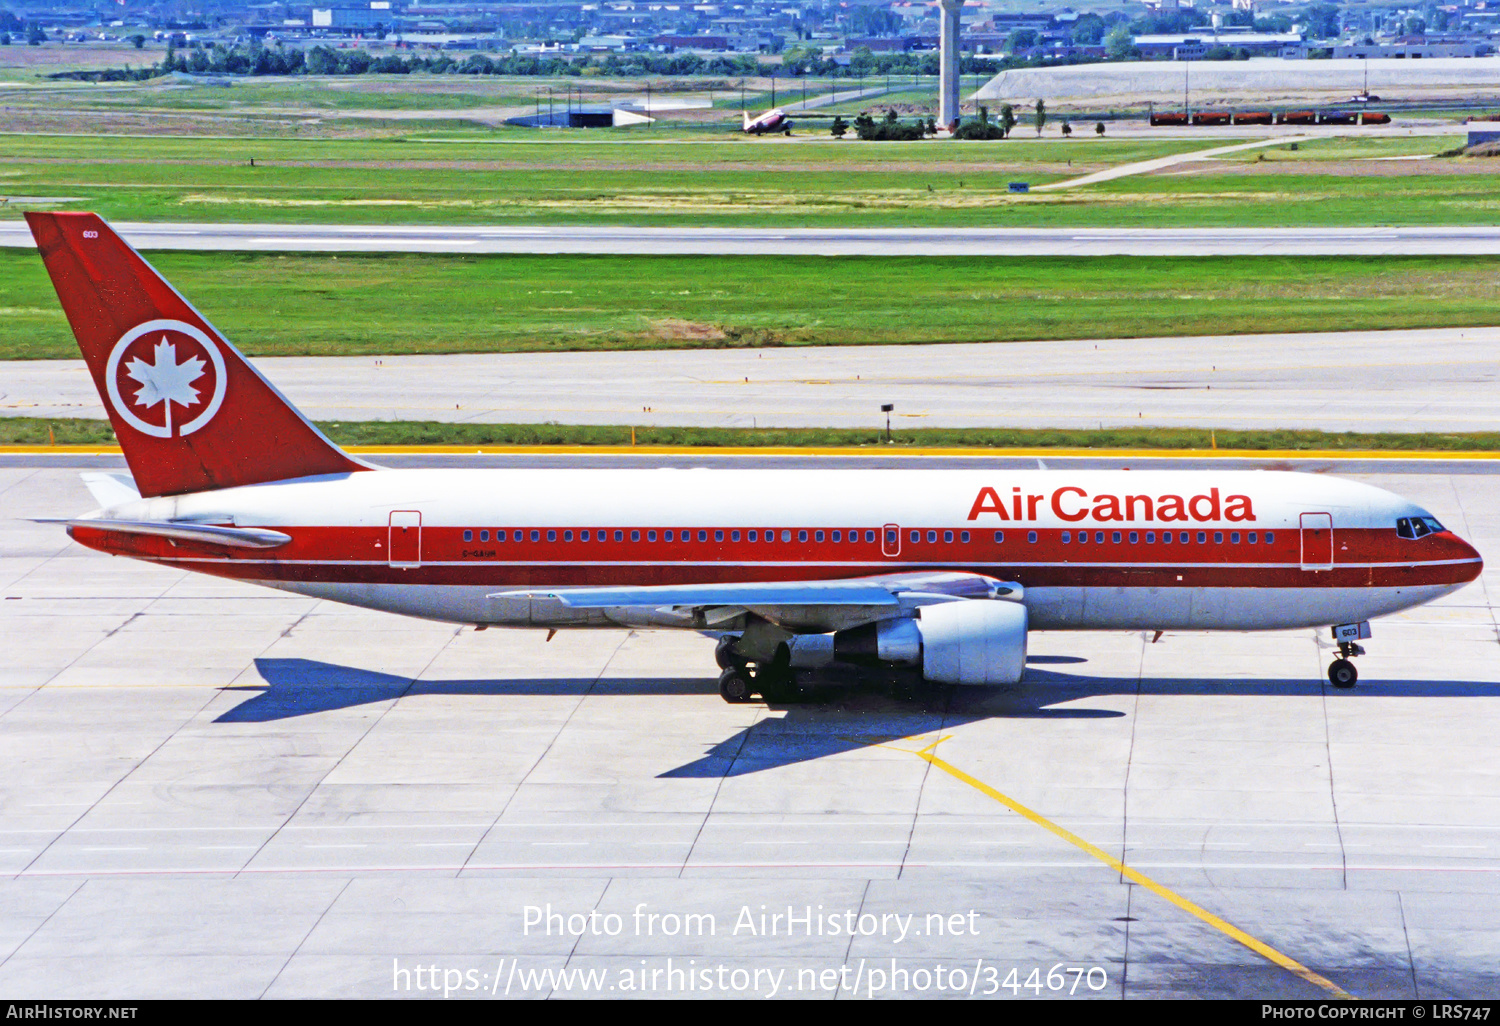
point(965, 242)
point(211, 790)
point(1415, 380)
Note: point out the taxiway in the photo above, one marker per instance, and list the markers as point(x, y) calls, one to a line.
point(965, 242)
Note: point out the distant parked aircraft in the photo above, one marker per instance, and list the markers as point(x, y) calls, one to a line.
point(774, 120)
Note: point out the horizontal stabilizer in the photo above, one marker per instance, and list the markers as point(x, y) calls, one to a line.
point(235, 537)
point(110, 489)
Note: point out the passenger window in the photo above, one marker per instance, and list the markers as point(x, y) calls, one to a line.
point(703, 536)
point(536, 536)
point(870, 536)
point(1134, 537)
point(718, 536)
point(1115, 537)
point(635, 536)
point(650, 536)
point(999, 537)
point(752, 536)
point(1202, 537)
point(931, 537)
point(734, 536)
point(468, 535)
point(818, 536)
point(665, 536)
point(1099, 538)
point(802, 536)
point(567, 536)
point(1183, 537)
point(1083, 537)
point(619, 536)
point(1234, 537)
point(948, 537)
point(1150, 537)
point(916, 536)
point(1067, 537)
point(1166, 537)
point(1270, 538)
point(552, 536)
point(1218, 537)
point(1250, 537)
point(963, 536)
point(837, 536)
point(1031, 537)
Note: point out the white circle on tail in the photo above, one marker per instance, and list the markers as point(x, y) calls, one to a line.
point(166, 367)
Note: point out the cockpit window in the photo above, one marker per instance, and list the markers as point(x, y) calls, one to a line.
point(1416, 527)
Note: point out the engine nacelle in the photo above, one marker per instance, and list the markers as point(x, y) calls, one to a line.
point(973, 641)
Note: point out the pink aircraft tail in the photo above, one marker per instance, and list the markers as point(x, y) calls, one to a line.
point(190, 412)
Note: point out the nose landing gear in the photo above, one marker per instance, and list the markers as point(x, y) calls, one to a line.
point(1341, 672)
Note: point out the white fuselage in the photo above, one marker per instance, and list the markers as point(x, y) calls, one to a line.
point(1229, 550)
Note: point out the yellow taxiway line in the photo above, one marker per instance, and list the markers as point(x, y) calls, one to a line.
point(1228, 929)
point(792, 450)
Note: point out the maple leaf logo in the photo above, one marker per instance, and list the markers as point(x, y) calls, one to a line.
point(166, 380)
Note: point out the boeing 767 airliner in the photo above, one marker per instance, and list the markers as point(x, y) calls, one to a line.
point(944, 571)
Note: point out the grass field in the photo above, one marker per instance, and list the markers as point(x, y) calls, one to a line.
point(615, 177)
point(36, 432)
point(330, 305)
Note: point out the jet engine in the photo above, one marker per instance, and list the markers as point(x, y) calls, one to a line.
point(973, 641)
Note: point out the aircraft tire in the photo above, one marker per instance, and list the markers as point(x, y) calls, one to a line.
point(724, 653)
point(734, 686)
point(1342, 674)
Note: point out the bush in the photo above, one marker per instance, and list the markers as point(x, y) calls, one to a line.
point(888, 129)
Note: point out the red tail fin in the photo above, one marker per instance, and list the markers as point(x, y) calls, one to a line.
point(189, 410)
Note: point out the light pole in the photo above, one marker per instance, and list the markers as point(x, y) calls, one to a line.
point(886, 409)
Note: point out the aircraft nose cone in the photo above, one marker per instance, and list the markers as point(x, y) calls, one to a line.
point(1462, 550)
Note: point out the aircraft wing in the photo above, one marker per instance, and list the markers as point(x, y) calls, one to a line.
point(893, 590)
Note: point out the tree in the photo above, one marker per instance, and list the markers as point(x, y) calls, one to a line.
point(1020, 39)
point(1099, 128)
point(1041, 116)
point(1088, 30)
point(1322, 21)
point(840, 127)
point(1007, 118)
point(1119, 45)
point(137, 40)
point(34, 35)
point(1067, 129)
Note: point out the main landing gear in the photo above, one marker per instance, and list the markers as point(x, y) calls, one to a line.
point(1341, 672)
point(771, 679)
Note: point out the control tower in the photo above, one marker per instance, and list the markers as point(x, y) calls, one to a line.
point(948, 59)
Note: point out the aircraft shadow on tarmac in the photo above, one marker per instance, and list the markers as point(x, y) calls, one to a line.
point(833, 721)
